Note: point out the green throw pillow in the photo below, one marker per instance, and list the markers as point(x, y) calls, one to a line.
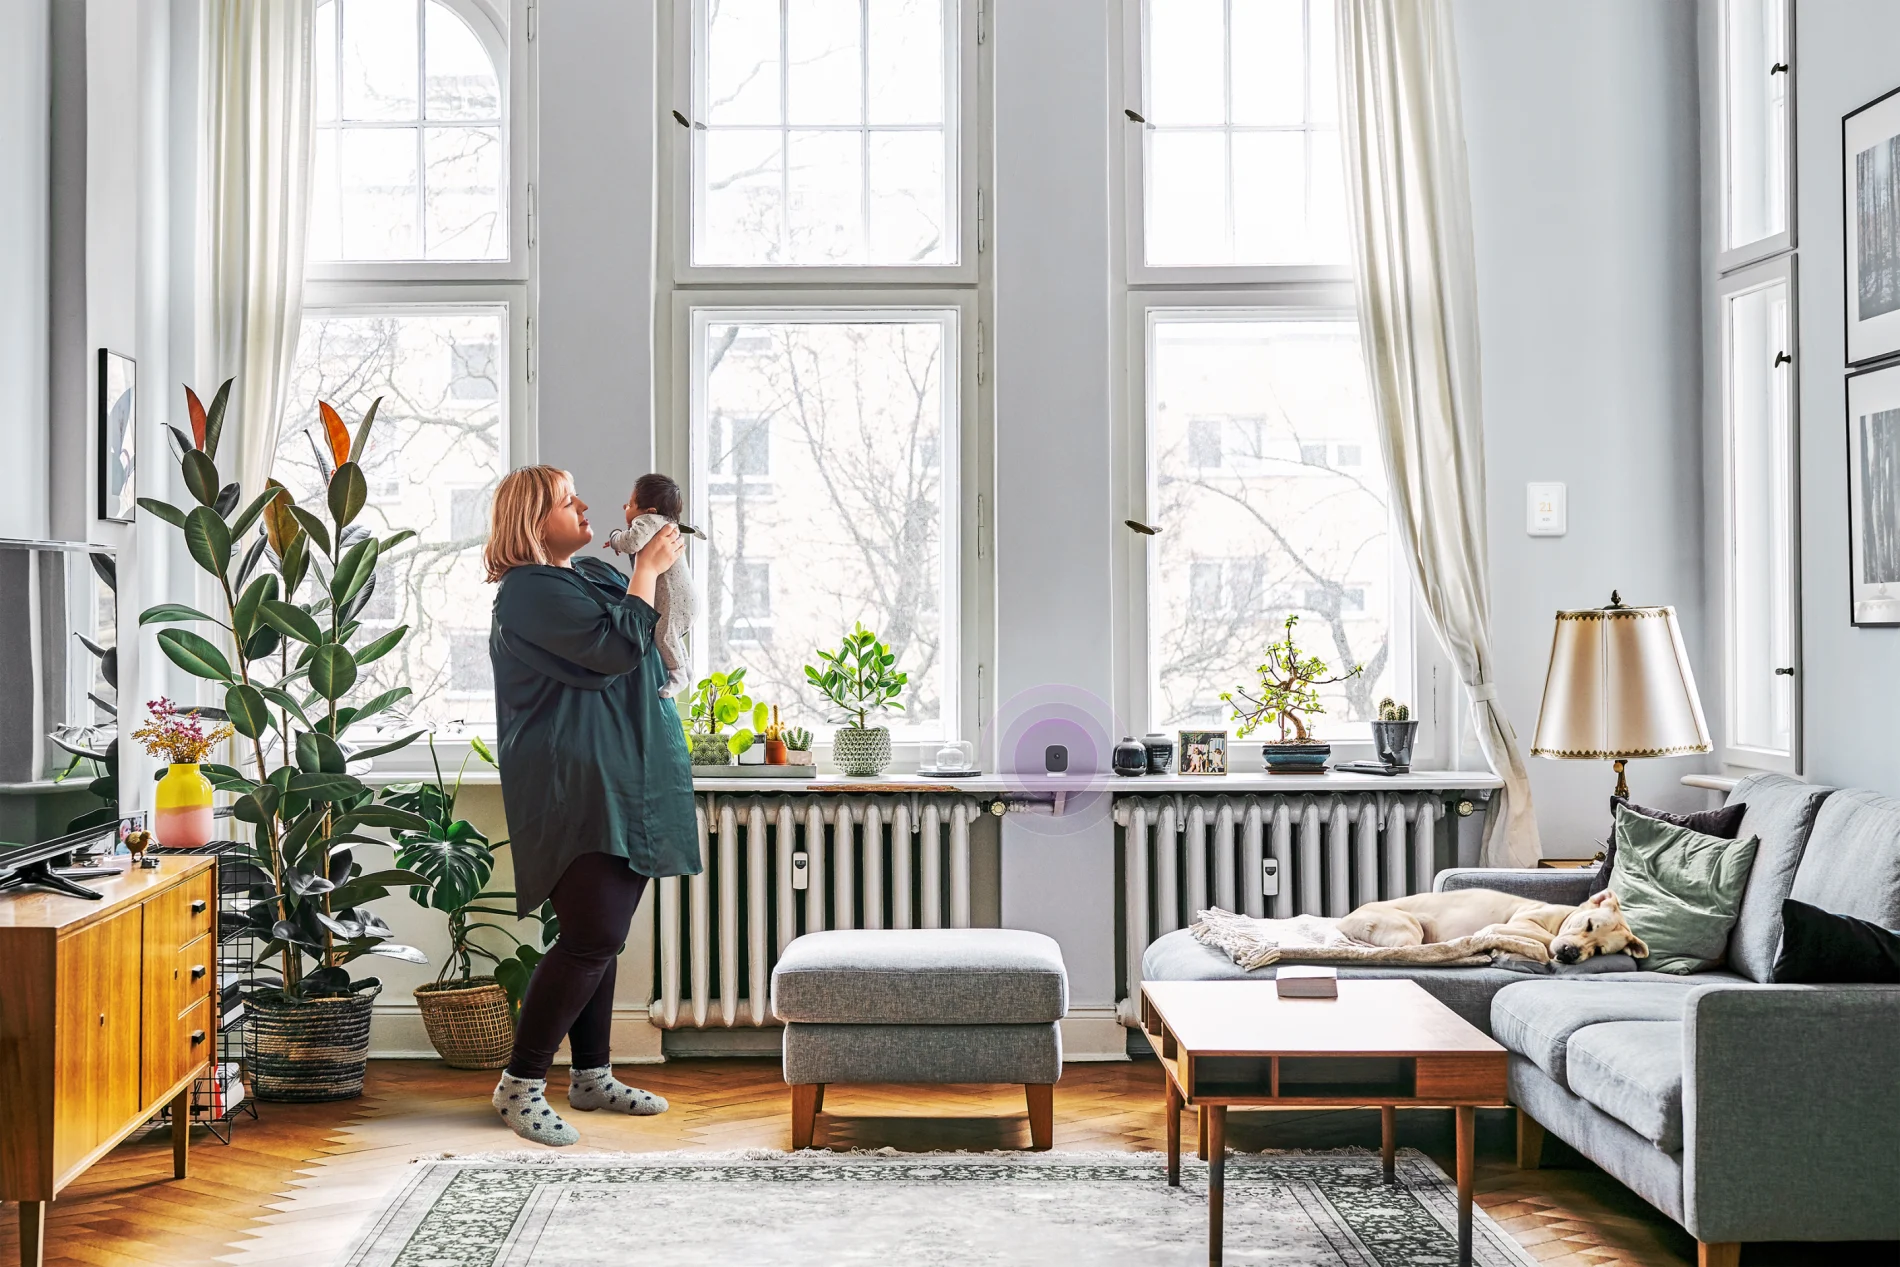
point(1680, 890)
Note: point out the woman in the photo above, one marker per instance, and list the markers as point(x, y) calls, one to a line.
point(595, 779)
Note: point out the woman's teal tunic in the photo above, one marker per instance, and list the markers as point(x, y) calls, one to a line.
point(592, 759)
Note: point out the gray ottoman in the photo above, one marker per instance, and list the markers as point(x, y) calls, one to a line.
point(925, 1005)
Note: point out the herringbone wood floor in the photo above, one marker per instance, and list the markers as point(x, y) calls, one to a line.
point(128, 1213)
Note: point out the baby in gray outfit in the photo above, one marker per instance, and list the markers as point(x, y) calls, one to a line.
point(656, 501)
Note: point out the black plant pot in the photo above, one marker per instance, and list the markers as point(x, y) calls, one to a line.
point(1393, 740)
point(1296, 758)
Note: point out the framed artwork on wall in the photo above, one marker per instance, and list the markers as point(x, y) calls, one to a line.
point(1873, 495)
point(118, 435)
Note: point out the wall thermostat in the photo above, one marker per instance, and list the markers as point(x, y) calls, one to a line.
point(1055, 759)
point(1544, 510)
point(1269, 877)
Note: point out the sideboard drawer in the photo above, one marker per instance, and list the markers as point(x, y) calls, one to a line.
point(181, 913)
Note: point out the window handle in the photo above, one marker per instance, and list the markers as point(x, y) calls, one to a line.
point(1779, 68)
point(1787, 672)
point(1782, 358)
point(1134, 117)
point(1142, 528)
point(684, 122)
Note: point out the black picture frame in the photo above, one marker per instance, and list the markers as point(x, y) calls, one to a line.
point(1872, 407)
point(118, 436)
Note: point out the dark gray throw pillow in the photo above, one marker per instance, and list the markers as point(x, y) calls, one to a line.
point(1725, 822)
point(1820, 947)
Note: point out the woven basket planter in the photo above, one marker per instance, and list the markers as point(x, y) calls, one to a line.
point(309, 1051)
point(468, 1022)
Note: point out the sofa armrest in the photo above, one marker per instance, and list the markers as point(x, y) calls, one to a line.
point(1790, 1095)
point(1556, 885)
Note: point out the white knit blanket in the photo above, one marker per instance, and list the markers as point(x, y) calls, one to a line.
point(1255, 943)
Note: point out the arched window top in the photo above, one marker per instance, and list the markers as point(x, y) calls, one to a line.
point(411, 113)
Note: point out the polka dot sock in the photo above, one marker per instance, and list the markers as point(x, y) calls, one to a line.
point(523, 1104)
point(589, 1089)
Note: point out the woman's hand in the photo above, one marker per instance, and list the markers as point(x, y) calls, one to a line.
point(657, 555)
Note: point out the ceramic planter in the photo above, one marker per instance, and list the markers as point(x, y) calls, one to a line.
point(799, 756)
point(1393, 741)
point(710, 750)
point(1296, 758)
point(775, 752)
point(181, 816)
point(862, 751)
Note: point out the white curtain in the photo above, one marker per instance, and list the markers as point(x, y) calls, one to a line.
point(1410, 204)
point(256, 192)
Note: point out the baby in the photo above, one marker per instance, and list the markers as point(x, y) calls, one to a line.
point(656, 501)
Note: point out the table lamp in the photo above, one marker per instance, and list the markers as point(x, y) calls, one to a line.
point(1619, 686)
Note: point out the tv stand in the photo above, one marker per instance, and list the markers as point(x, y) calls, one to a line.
point(41, 875)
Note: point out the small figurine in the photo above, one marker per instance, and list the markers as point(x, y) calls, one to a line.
point(136, 843)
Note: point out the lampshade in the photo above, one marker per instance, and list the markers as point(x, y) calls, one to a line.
point(1619, 686)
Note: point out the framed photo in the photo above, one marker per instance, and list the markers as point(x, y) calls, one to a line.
point(1873, 495)
point(1203, 752)
point(118, 436)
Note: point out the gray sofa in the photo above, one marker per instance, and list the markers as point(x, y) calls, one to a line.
point(1744, 1110)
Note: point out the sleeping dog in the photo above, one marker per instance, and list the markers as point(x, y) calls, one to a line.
point(1568, 934)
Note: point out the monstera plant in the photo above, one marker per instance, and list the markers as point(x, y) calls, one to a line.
point(288, 651)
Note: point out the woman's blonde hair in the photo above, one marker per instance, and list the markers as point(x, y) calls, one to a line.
point(523, 499)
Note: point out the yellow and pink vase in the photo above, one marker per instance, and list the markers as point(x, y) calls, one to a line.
point(181, 815)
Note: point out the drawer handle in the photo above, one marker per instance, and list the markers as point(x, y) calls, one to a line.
point(198, 906)
point(197, 1036)
point(197, 971)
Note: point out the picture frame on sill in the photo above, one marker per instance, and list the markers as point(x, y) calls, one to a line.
point(1203, 752)
point(1870, 203)
point(118, 436)
point(1873, 496)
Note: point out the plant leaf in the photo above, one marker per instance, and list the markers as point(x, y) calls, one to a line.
point(334, 431)
point(326, 787)
point(349, 493)
point(208, 540)
point(313, 526)
point(201, 476)
point(194, 655)
point(247, 607)
point(306, 884)
point(164, 510)
point(364, 754)
point(352, 570)
point(318, 754)
point(408, 954)
point(196, 410)
point(362, 430)
point(279, 524)
point(214, 420)
point(245, 706)
point(380, 703)
point(227, 499)
point(332, 671)
point(380, 647)
point(174, 611)
point(381, 816)
point(286, 701)
point(248, 516)
point(290, 619)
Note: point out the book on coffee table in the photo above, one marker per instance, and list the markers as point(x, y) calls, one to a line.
point(1307, 981)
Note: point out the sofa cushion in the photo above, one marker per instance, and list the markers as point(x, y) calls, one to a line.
point(1818, 946)
point(1781, 814)
point(1536, 1019)
point(1632, 1070)
point(937, 976)
point(1725, 822)
point(1680, 890)
point(1852, 862)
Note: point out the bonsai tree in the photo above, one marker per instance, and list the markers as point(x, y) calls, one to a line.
point(287, 609)
point(859, 678)
point(1288, 692)
point(718, 702)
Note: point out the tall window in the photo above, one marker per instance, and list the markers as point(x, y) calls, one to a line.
point(1252, 439)
point(416, 293)
point(1762, 616)
point(829, 144)
point(1757, 70)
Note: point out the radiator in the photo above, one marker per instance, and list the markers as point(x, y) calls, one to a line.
point(862, 861)
point(1328, 853)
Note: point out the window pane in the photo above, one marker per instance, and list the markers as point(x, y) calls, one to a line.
point(434, 459)
point(1243, 417)
point(853, 173)
point(1270, 196)
point(1187, 78)
point(1756, 127)
point(378, 198)
point(323, 60)
point(1268, 69)
point(379, 59)
point(462, 188)
point(461, 83)
point(816, 446)
point(1760, 522)
point(1187, 198)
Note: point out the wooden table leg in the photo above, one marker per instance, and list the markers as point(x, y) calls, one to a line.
point(1467, 1164)
point(1174, 1133)
point(32, 1233)
point(181, 1132)
point(804, 1113)
point(1200, 1127)
point(1388, 1141)
point(1216, 1118)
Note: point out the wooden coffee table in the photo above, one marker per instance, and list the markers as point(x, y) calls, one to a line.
point(1238, 1044)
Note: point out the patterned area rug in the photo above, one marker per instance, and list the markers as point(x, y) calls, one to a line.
point(812, 1208)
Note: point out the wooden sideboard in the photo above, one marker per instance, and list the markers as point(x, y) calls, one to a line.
point(107, 1013)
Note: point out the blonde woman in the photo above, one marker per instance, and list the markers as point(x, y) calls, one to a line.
point(595, 779)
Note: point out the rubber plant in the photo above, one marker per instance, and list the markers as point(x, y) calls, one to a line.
point(287, 607)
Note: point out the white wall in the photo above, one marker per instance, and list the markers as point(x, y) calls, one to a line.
point(1581, 124)
point(25, 122)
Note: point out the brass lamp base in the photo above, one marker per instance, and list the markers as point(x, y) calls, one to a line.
point(1622, 784)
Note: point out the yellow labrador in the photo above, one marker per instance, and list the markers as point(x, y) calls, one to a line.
point(1567, 933)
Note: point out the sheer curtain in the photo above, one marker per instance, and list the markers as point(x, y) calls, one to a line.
point(1409, 198)
point(256, 189)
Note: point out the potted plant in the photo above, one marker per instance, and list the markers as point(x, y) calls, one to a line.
point(717, 702)
point(1393, 733)
point(287, 606)
point(469, 1018)
point(774, 741)
point(798, 746)
point(859, 678)
point(1288, 694)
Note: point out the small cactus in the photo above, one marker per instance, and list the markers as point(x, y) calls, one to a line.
point(798, 739)
point(1389, 711)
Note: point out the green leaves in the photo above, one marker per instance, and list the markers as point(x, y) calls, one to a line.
point(201, 476)
point(327, 787)
point(381, 647)
point(318, 754)
point(249, 515)
point(313, 526)
point(364, 754)
point(353, 570)
point(174, 611)
point(250, 715)
point(349, 493)
point(860, 677)
point(214, 419)
point(249, 604)
point(164, 510)
point(332, 671)
point(362, 430)
point(194, 655)
point(209, 540)
point(292, 621)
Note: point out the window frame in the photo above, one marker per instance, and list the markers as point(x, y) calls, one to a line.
point(970, 573)
point(1133, 95)
point(1735, 255)
point(1780, 271)
point(504, 29)
point(962, 108)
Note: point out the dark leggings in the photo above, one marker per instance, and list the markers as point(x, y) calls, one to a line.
point(571, 994)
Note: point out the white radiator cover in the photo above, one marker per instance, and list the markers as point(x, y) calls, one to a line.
point(1183, 854)
point(899, 861)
